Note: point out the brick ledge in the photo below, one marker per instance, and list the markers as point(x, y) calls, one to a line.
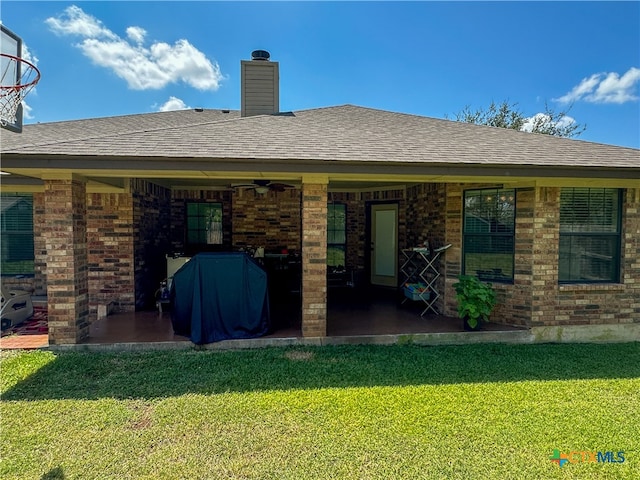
point(588, 287)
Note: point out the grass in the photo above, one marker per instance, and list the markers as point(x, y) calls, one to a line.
point(478, 411)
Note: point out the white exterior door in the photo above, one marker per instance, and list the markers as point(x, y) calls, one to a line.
point(384, 245)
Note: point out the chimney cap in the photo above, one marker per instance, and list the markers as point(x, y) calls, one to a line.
point(260, 55)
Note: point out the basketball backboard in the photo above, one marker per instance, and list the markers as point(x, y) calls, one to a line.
point(11, 44)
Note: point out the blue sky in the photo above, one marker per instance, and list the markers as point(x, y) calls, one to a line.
point(427, 58)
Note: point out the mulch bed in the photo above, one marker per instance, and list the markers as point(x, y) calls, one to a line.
point(36, 325)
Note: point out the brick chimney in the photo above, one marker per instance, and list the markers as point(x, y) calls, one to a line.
point(260, 91)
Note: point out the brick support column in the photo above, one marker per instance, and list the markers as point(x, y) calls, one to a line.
point(65, 238)
point(630, 309)
point(314, 257)
point(453, 256)
point(544, 265)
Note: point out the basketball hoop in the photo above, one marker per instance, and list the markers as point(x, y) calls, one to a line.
point(11, 95)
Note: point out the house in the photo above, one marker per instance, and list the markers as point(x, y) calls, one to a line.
point(554, 223)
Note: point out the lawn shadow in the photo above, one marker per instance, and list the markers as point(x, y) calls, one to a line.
point(160, 374)
point(54, 474)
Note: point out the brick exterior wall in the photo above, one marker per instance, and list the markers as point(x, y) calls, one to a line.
point(426, 222)
point(249, 219)
point(426, 214)
point(126, 235)
point(179, 200)
point(112, 247)
point(151, 238)
point(513, 300)
point(270, 220)
point(535, 298)
point(314, 260)
point(544, 265)
point(433, 212)
point(581, 304)
point(516, 300)
point(111, 258)
point(453, 258)
point(65, 236)
point(630, 308)
point(19, 282)
point(39, 245)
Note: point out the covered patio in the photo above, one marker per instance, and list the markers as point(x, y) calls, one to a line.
point(373, 318)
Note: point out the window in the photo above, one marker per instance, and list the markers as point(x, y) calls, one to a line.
point(204, 223)
point(336, 234)
point(488, 234)
point(590, 238)
point(17, 235)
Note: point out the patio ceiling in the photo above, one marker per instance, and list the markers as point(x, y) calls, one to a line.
point(99, 180)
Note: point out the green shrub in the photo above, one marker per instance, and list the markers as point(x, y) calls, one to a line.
point(476, 299)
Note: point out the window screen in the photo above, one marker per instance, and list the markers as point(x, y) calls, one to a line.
point(17, 234)
point(488, 234)
point(336, 234)
point(590, 239)
point(204, 223)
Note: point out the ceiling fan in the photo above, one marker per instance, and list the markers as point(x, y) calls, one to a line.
point(263, 186)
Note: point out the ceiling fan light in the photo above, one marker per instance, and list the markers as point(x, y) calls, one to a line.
point(262, 190)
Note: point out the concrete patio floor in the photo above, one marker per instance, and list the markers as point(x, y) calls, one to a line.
point(377, 319)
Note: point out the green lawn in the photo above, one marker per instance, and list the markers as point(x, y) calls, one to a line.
point(406, 412)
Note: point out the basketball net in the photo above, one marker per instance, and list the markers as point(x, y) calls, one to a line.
point(12, 94)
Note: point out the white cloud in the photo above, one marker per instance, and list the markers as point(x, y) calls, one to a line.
point(184, 61)
point(173, 103)
point(136, 34)
point(28, 55)
point(542, 121)
point(616, 89)
point(129, 63)
point(142, 68)
point(584, 88)
point(76, 22)
point(26, 111)
point(605, 88)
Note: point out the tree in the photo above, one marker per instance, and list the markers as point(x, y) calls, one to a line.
point(506, 115)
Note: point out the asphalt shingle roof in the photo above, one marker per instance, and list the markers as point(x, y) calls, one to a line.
point(342, 133)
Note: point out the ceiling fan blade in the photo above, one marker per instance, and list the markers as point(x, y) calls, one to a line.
point(280, 187)
point(263, 185)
